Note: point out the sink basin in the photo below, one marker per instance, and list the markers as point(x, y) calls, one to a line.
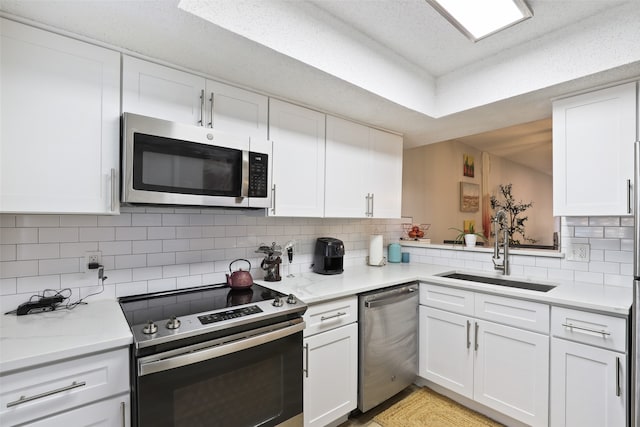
point(500, 282)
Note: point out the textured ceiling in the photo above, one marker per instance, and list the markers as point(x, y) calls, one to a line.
point(454, 88)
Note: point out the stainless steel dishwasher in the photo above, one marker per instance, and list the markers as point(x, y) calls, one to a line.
point(388, 332)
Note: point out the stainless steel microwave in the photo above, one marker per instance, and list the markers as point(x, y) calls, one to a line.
point(167, 163)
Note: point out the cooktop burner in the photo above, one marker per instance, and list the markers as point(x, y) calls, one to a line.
point(161, 317)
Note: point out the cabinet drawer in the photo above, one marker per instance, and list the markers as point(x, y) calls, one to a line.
point(522, 314)
point(331, 314)
point(444, 298)
point(38, 392)
point(589, 328)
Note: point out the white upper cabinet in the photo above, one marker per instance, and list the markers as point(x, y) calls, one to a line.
point(363, 171)
point(60, 110)
point(166, 93)
point(593, 136)
point(298, 137)
point(162, 92)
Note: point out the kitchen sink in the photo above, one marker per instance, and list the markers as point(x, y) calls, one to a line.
point(500, 282)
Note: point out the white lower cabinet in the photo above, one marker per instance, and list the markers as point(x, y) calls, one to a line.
point(588, 370)
point(330, 361)
point(90, 390)
point(496, 364)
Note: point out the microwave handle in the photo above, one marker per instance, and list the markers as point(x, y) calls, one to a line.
point(244, 191)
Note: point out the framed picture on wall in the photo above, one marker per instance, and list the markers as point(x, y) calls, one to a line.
point(468, 166)
point(469, 197)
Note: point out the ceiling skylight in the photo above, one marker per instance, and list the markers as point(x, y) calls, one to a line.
point(479, 19)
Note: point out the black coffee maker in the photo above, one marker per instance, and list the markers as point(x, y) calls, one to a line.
point(329, 255)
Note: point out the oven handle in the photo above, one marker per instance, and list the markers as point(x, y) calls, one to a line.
point(190, 358)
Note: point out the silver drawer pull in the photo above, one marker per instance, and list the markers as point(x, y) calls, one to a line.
point(24, 399)
point(595, 331)
point(333, 316)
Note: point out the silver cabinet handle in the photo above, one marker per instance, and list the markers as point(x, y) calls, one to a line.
point(629, 189)
point(114, 190)
point(24, 399)
point(210, 124)
point(371, 212)
point(273, 199)
point(122, 412)
point(333, 316)
point(618, 382)
point(306, 360)
point(468, 334)
point(572, 326)
point(476, 335)
point(201, 121)
point(366, 199)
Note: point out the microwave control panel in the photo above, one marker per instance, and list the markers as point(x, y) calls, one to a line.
point(258, 173)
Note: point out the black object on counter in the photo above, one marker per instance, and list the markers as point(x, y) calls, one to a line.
point(328, 256)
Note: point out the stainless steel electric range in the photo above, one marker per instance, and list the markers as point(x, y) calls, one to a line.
point(215, 356)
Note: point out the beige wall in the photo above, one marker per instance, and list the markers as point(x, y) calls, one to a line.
point(431, 190)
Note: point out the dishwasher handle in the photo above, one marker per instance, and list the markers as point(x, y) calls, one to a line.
point(400, 296)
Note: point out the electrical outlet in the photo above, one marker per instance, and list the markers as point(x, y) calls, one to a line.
point(578, 252)
point(92, 257)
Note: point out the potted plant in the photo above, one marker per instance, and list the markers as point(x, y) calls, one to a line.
point(469, 236)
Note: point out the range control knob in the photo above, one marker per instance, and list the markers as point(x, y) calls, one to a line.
point(173, 323)
point(291, 299)
point(277, 302)
point(150, 328)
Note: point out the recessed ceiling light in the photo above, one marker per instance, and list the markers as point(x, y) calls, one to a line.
point(479, 19)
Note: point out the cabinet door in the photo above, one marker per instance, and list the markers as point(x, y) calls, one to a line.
point(162, 92)
point(446, 350)
point(113, 412)
point(386, 173)
point(588, 386)
point(236, 111)
point(593, 137)
point(331, 377)
point(511, 372)
point(60, 114)
point(298, 136)
point(347, 165)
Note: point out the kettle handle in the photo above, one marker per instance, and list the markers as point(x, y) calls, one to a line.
point(239, 259)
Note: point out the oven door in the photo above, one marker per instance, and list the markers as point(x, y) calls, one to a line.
point(251, 379)
point(173, 163)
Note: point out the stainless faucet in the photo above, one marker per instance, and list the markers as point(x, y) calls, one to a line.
point(498, 224)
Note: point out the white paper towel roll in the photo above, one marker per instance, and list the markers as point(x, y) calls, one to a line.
point(375, 250)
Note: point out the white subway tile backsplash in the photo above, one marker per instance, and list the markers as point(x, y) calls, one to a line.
point(122, 220)
point(589, 277)
point(131, 288)
point(201, 219)
point(157, 233)
point(161, 285)
point(626, 221)
point(618, 232)
point(70, 250)
point(175, 270)
point(18, 235)
point(18, 269)
point(610, 221)
point(189, 257)
point(37, 221)
point(91, 234)
point(608, 244)
point(590, 232)
point(37, 284)
point(8, 286)
point(201, 244)
point(146, 220)
point(619, 256)
point(62, 234)
point(165, 258)
point(146, 246)
point(576, 221)
point(604, 267)
point(175, 219)
point(225, 220)
point(130, 261)
point(175, 245)
point(146, 273)
point(131, 233)
point(38, 251)
point(8, 252)
point(7, 221)
point(58, 266)
point(78, 221)
point(188, 232)
point(115, 248)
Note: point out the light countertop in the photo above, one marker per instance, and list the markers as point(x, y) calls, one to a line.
point(313, 288)
point(28, 341)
